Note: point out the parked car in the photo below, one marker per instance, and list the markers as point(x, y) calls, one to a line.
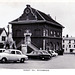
point(12, 55)
point(60, 52)
point(53, 53)
point(40, 54)
point(2, 50)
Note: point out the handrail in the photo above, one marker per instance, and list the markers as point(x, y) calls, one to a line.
point(34, 45)
point(22, 42)
point(19, 44)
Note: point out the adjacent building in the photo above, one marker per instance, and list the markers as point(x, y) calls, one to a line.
point(46, 32)
point(68, 44)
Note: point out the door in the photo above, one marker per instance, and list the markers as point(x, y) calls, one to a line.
point(28, 39)
point(19, 55)
point(12, 56)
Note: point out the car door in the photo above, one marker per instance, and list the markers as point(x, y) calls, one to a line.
point(12, 56)
point(18, 55)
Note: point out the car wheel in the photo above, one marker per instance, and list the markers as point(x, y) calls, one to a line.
point(22, 60)
point(3, 60)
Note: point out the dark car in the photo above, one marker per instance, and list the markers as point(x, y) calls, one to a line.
point(40, 54)
point(60, 52)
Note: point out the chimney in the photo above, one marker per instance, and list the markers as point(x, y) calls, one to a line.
point(28, 5)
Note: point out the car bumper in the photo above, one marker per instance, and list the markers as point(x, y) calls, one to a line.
point(26, 58)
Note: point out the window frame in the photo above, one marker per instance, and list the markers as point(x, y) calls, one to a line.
point(19, 52)
point(3, 38)
point(69, 46)
point(12, 51)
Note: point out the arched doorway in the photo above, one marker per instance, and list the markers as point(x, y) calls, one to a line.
point(57, 46)
point(51, 46)
point(54, 46)
point(27, 36)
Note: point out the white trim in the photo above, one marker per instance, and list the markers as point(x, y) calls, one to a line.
point(41, 15)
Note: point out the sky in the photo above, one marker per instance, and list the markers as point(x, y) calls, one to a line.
point(63, 11)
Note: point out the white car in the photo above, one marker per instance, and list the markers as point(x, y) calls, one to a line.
point(13, 55)
point(53, 53)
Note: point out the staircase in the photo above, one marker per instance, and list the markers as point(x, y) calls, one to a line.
point(30, 45)
point(33, 47)
point(19, 44)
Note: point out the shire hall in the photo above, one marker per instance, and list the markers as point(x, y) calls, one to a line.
point(36, 29)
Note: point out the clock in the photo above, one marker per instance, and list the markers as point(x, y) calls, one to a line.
point(27, 11)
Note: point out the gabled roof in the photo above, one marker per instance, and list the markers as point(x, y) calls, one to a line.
point(31, 15)
point(1, 30)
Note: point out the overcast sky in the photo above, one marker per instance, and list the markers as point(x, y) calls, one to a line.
point(64, 12)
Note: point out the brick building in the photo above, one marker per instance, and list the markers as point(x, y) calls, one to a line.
point(46, 32)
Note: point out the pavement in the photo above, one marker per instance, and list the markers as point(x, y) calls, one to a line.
point(66, 61)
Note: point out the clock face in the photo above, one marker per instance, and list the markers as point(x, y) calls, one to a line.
point(27, 11)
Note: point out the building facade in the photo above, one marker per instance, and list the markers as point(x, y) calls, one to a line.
point(46, 32)
point(68, 44)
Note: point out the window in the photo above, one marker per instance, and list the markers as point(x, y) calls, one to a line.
point(58, 33)
point(74, 46)
point(63, 46)
point(69, 46)
point(3, 38)
point(37, 32)
point(17, 52)
point(69, 41)
point(18, 32)
point(12, 52)
point(63, 41)
point(51, 32)
point(45, 32)
point(54, 34)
